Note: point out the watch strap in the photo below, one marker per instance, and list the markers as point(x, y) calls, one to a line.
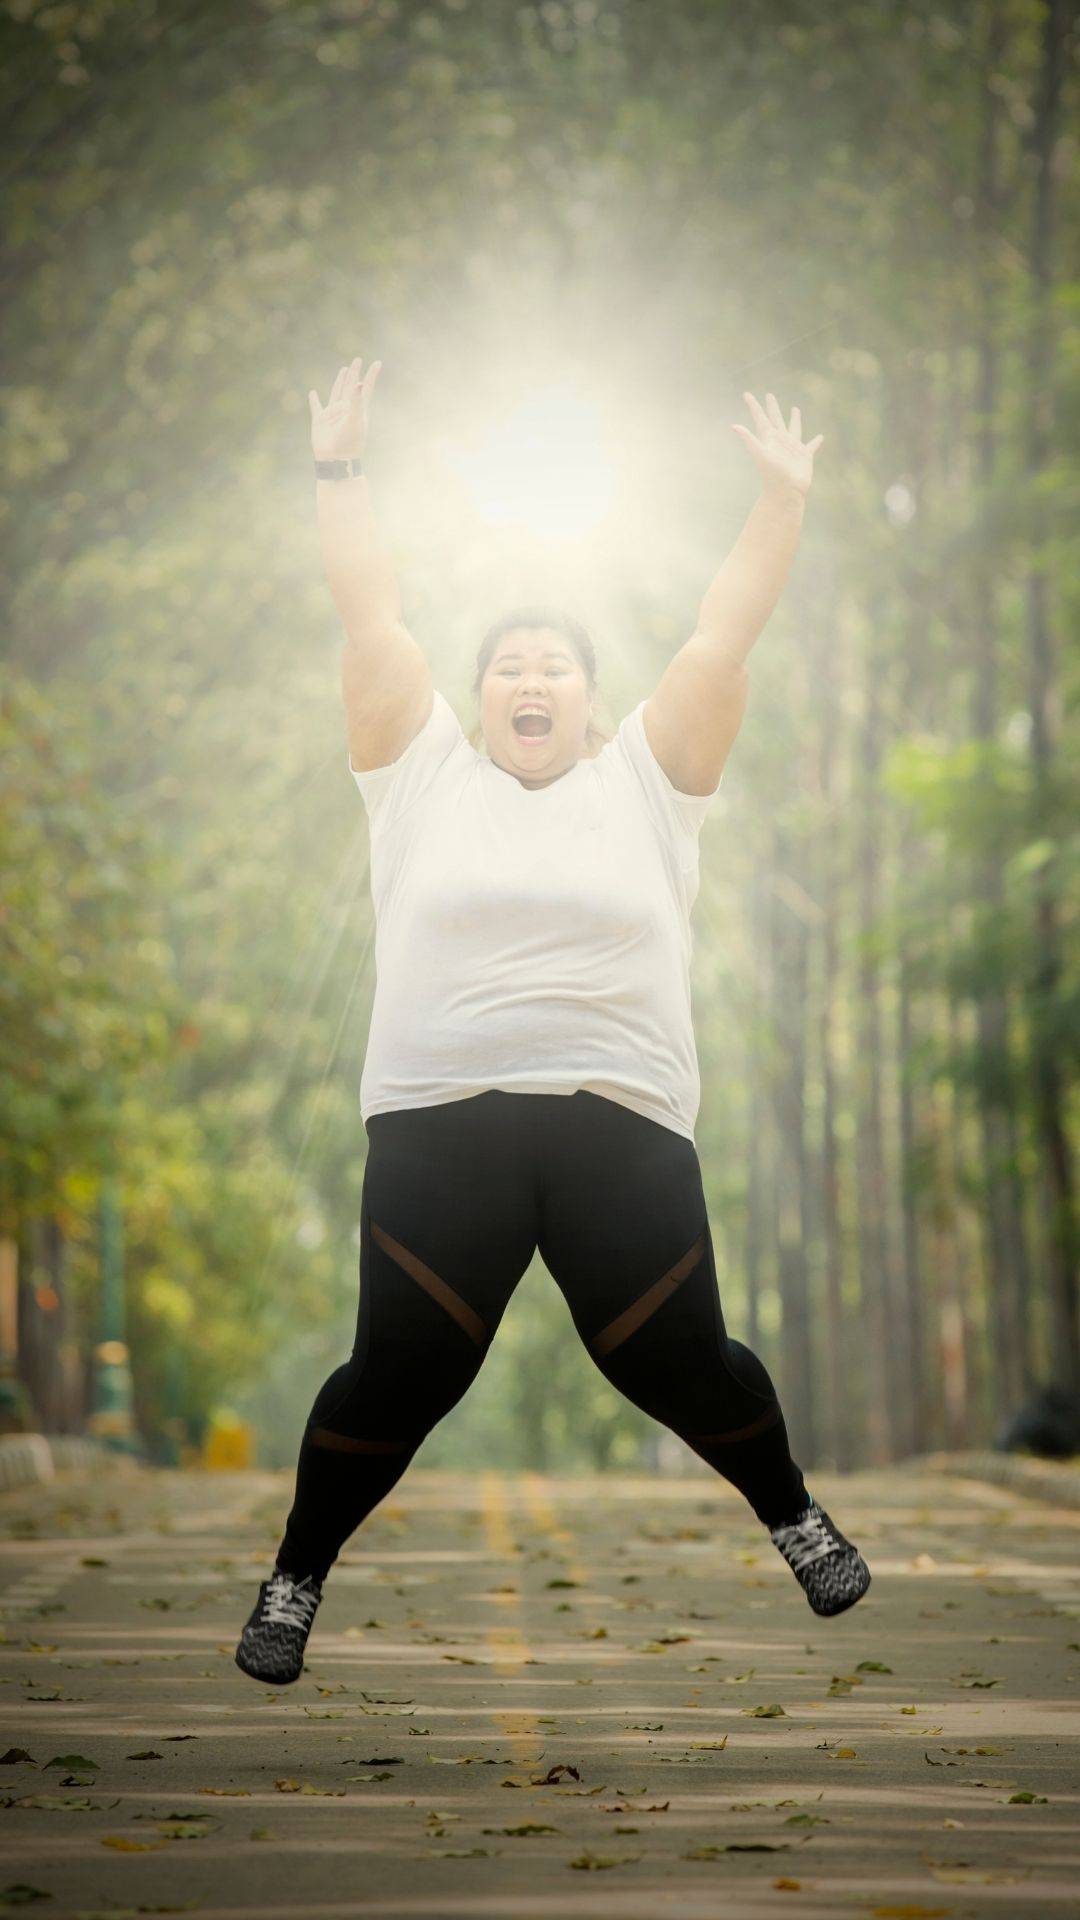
point(337, 469)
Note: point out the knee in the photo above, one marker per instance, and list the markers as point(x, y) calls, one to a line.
point(747, 1370)
point(334, 1394)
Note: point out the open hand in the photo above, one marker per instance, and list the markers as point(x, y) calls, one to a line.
point(778, 451)
point(339, 430)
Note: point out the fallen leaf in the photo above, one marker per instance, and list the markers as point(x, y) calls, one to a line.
point(54, 1803)
point(765, 1713)
point(187, 1826)
point(593, 1862)
point(525, 1827)
point(464, 1853)
point(738, 1846)
point(872, 1666)
point(19, 1893)
point(1026, 1799)
point(75, 1762)
point(14, 1756)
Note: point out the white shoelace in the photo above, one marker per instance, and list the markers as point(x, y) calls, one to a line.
point(288, 1604)
point(804, 1541)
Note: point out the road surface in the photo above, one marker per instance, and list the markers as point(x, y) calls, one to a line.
point(529, 1697)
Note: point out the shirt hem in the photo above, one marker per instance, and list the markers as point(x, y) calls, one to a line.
point(606, 1091)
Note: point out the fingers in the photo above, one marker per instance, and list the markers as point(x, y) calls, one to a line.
point(774, 420)
point(761, 419)
point(751, 439)
point(314, 406)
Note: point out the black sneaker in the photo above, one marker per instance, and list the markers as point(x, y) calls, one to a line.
point(273, 1641)
point(831, 1572)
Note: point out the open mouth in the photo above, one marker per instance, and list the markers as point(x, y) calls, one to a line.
point(532, 726)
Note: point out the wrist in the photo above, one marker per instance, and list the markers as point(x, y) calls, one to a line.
point(785, 495)
point(338, 467)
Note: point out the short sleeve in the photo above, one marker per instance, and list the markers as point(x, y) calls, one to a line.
point(682, 813)
point(388, 790)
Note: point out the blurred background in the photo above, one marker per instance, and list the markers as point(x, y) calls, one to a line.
point(574, 233)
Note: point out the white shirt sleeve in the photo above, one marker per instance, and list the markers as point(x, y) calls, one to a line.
point(680, 814)
point(387, 791)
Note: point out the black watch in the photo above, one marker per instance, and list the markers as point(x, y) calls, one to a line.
point(337, 469)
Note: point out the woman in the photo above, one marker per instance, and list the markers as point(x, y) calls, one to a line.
point(531, 1078)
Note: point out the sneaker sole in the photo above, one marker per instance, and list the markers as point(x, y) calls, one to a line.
point(268, 1679)
point(830, 1613)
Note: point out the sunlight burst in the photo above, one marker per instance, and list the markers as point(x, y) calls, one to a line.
point(543, 467)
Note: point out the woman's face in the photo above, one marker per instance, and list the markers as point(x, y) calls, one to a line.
point(534, 667)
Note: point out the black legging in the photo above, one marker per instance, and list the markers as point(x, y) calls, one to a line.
point(456, 1199)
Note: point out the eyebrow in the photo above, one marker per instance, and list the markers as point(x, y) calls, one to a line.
point(550, 653)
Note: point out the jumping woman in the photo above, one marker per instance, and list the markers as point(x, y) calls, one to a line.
point(531, 1079)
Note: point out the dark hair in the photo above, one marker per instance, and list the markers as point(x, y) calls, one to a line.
point(534, 617)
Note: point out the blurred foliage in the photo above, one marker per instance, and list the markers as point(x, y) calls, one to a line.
point(208, 211)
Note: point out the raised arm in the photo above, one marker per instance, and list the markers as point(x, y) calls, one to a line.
point(385, 679)
point(692, 718)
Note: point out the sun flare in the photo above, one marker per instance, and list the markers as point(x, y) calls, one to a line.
point(543, 467)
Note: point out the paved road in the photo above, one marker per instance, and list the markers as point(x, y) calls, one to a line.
point(530, 1697)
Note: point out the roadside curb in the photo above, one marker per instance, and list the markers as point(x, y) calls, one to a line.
point(29, 1457)
point(1055, 1481)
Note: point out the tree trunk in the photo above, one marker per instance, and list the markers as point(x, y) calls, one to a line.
point(790, 943)
point(834, 1426)
point(1045, 698)
point(876, 1329)
point(757, 1229)
point(1007, 1273)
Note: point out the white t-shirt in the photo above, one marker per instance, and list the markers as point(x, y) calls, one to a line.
point(535, 940)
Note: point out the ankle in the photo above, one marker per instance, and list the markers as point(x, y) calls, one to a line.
point(299, 1573)
point(793, 1515)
